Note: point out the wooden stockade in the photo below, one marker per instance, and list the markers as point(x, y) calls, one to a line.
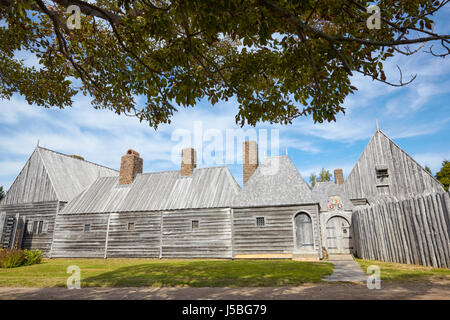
point(412, 231)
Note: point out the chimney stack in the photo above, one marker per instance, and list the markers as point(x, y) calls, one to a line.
point(130, 166)
point(338, 176)
point(250, 149)
point(188, 161)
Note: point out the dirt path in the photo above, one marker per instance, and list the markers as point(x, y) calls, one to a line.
point(407, 290)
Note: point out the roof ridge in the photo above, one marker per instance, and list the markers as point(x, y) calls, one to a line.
point(167, 171)
point(66, 155)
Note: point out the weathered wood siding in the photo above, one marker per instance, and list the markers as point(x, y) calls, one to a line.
point(277, 235)
point(406, 177)
point(43, 211)
point(165, 234)
point(412, 231)
point(212, 239)
point(143, 241)
point(32, 184)
point(70, 239)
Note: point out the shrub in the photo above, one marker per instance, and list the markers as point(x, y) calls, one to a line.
point(32, 257)
point(16, 258)
point(11, 258)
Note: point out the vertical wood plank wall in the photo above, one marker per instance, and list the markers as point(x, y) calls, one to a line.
point(277, 236)
point(212, 239)
point(42, 211)
point(173, 238)
point(412, 231)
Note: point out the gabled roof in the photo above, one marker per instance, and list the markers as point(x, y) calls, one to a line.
point(406, 176)
point(53, 176)
point(276, 181)
point(205, 188)
point(323, 191)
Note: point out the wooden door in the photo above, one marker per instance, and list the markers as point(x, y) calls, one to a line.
point(304, 232)
point(339, 238)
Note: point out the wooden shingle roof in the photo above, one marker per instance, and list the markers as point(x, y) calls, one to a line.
point(206, 188)
point(275, 182)
point(52, 176)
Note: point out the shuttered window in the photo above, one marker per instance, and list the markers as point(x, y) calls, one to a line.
point(130, 225)
point(41, 224)
point(260, 221)
point(87, 227)
point(35, 226)
point(195, 224)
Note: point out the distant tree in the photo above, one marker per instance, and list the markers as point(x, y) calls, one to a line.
point(313, 179)
point(444, 174)
point(324, 176)
point(2, 193)
point(427, 168)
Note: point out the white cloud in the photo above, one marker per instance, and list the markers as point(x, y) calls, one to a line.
point(432, 159)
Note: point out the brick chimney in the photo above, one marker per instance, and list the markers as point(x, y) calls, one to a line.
point(250, 149)
point(188, 161)
point(338, 176)
point(130, 166)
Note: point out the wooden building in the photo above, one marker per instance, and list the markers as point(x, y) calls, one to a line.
point(385, 170)
point(335, 216)
point(274, 216)
point(46, 183)
point(174, 214)
point(69, 207)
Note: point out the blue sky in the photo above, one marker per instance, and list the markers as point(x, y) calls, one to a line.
point(417, 117)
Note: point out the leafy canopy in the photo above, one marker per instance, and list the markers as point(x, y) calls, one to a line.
point(280, 59)
point(444, 175)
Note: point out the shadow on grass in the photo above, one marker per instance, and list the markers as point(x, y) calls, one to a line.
point(212, 274)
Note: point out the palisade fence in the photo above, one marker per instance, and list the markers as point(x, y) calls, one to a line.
point(412, 231)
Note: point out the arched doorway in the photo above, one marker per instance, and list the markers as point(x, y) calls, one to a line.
point(339, 237)
point(304, 236)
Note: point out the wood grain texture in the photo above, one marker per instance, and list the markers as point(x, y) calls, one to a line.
point(406, 177)
point(277, 235)
point(412, 231)
point(42, 211)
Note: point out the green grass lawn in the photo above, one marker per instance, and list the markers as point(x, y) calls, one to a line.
point(148, 272)
point(392, 272)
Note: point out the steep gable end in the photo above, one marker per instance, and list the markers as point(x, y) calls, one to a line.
point(33, 184)
point(384, 169)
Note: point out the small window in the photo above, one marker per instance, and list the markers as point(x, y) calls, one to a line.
point(29, 226)
point(260, 221)
point(87, 227)
point(41, 224)
point(194, 224)
point(35, 226)
point(130, 226)
point(382, 173)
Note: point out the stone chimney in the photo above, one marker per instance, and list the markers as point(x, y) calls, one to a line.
point(250, 150)
point(339, 176)
point(188, 161)
point(130, 166)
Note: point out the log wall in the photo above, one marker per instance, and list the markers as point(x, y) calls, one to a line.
point(277, 236)
point(412, 231)
point(43, 211)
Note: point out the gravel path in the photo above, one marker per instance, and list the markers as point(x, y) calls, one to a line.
point(334, 291)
